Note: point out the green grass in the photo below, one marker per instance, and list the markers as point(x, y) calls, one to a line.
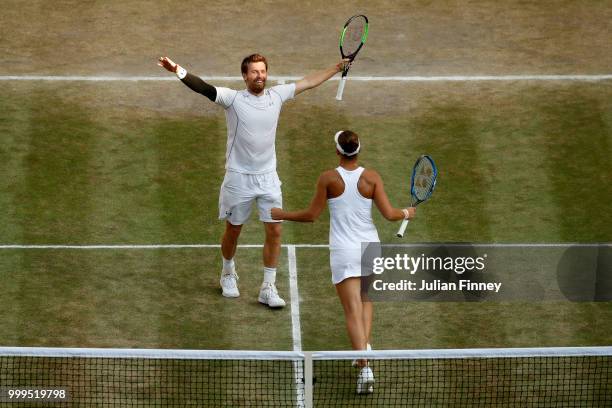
point(137, 298)
point(118, 163)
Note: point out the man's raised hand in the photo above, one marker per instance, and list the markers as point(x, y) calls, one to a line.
point(168, 64)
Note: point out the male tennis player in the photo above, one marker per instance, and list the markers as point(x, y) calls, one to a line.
point(252, 116)
point(349, 191)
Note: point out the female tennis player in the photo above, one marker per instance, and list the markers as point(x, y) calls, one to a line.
point(349, 191)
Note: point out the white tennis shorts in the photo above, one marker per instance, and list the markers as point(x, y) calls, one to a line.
point(239, 191)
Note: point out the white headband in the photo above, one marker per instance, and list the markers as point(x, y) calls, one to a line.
point(341, 150)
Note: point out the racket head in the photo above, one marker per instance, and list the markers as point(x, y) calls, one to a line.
point(423, 179)
point(354, 35)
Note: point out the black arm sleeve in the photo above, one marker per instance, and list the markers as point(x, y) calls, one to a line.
point(196, 84)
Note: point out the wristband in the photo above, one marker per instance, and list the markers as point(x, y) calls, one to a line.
point(406, 213)
point(181, 72)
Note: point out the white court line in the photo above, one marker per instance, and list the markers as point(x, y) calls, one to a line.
point(184, 246)
point(409, 78)
point(296, 329)
point(295, 299)
point(121, 246)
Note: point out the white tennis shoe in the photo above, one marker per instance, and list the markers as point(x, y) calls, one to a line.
point(268, 295)
point(365, 381)
point(229, 283)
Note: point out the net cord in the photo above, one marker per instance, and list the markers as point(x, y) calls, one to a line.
point(465, 353)
point(317, 355)
point(150, 353)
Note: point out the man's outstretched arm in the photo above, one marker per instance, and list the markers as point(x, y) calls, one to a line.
point(317, 78)
point(194, 82)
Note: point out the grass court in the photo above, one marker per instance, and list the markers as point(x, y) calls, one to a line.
point(141, 162)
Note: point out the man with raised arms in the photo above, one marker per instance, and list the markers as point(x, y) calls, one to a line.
point(251, 117)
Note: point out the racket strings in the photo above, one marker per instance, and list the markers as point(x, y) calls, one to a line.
point(352, 36)
point(424, 180)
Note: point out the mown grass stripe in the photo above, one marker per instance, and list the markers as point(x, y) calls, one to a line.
point(55, 201)
point(15, 122)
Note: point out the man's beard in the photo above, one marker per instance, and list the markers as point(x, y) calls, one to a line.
point(257, 87)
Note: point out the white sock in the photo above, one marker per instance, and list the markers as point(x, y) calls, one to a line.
point(228, 265)
point(269, 275)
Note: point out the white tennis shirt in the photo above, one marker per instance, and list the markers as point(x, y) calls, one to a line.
point(350, 214)
point(251, 127)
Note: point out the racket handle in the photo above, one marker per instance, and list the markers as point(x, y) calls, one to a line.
point(402, 229)
point(341, 88)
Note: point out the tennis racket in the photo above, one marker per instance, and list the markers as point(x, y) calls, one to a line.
point(354, 35)
point(422, 184)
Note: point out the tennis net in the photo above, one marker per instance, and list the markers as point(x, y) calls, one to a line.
point(535, 377)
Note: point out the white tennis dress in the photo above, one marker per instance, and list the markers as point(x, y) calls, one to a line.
point(350, 225)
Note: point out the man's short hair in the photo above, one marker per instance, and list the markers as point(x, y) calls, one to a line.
point(252, 58)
